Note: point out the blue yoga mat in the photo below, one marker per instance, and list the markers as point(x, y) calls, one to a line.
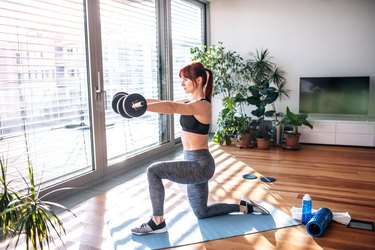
point(184, 228)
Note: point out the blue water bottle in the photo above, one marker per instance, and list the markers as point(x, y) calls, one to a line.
point(306, 209)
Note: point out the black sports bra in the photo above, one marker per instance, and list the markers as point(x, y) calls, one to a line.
point(190, 124)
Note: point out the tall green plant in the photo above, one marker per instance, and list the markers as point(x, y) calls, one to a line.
point(260, 69)
point(7, 196)
point(36, 218)
point(228, 68)
point(267, 84)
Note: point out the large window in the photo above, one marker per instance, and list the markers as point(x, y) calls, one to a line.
point(61, 62)
point(188, 31)
point(130, 64)
point(44, 106)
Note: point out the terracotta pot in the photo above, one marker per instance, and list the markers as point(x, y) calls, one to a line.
point(292, 140)
point(263, 144)
point(244, 141)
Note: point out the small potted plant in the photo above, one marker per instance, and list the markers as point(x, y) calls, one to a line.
point(294, 121)
point(263, 136)
point(225, 123)
point(243, 131)
point(233, 123)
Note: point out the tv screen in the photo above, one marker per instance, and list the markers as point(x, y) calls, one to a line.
point(334, 95)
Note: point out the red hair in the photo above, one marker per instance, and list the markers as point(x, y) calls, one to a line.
point(195, 70)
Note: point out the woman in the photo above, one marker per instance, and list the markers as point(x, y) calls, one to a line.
point(198, 165)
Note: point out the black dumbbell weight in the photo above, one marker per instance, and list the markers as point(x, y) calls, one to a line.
point(117, 103)
point(134, 105)
point(120, 107)
point(115, 100)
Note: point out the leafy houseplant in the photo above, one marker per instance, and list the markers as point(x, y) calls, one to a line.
point(232, 121)
point(243, 130)
point(34, 217)
point(242, 124)
point(262, 96)
point(7, 196)
point(267, 85)
point(294, 121)
point(225, 122)
point(227, 67)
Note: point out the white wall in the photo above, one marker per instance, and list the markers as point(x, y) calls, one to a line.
point(305, 38)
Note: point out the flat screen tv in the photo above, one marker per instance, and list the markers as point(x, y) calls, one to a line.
point(334, 95)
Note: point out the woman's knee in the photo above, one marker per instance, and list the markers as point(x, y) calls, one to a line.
point(153, 167)
point(200, 214)
point(151, 171)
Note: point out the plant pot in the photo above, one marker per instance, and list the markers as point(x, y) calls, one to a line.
point(263, 144)
point(244, 140)
point(292, 140)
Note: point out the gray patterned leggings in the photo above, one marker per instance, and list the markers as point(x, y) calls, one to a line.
point(195, 171)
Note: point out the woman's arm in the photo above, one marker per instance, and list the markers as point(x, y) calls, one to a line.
point(157, 100)
point(170, 107)
point(152, 101)
point(162, 107)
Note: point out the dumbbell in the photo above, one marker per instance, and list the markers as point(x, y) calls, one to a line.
point(129, 105)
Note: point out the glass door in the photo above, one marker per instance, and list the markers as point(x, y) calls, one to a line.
point(188, 31)
point(61, 63)
point(131, 65)
point(44, 101)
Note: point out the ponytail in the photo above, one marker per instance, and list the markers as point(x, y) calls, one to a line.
point(207, 90)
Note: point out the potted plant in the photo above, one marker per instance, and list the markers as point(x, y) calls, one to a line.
point(7, 196)
point(243, 131)
point(267, 85)
point(263, 137)
point(294, 121)
point(225, 123)
point(228, 69)
point(233, 123)
point(35, 218)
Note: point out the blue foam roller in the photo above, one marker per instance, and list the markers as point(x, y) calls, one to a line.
point(318, 224)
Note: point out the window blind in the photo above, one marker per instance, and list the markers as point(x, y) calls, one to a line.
point(43, 89)
point(187, 32)
point(130, 64)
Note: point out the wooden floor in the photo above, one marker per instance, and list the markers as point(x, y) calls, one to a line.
point(339, 178)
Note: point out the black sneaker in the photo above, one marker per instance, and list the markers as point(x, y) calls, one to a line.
point(150, 228)
point(252, 206)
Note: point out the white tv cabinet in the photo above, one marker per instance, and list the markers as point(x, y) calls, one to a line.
point(340, 131)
